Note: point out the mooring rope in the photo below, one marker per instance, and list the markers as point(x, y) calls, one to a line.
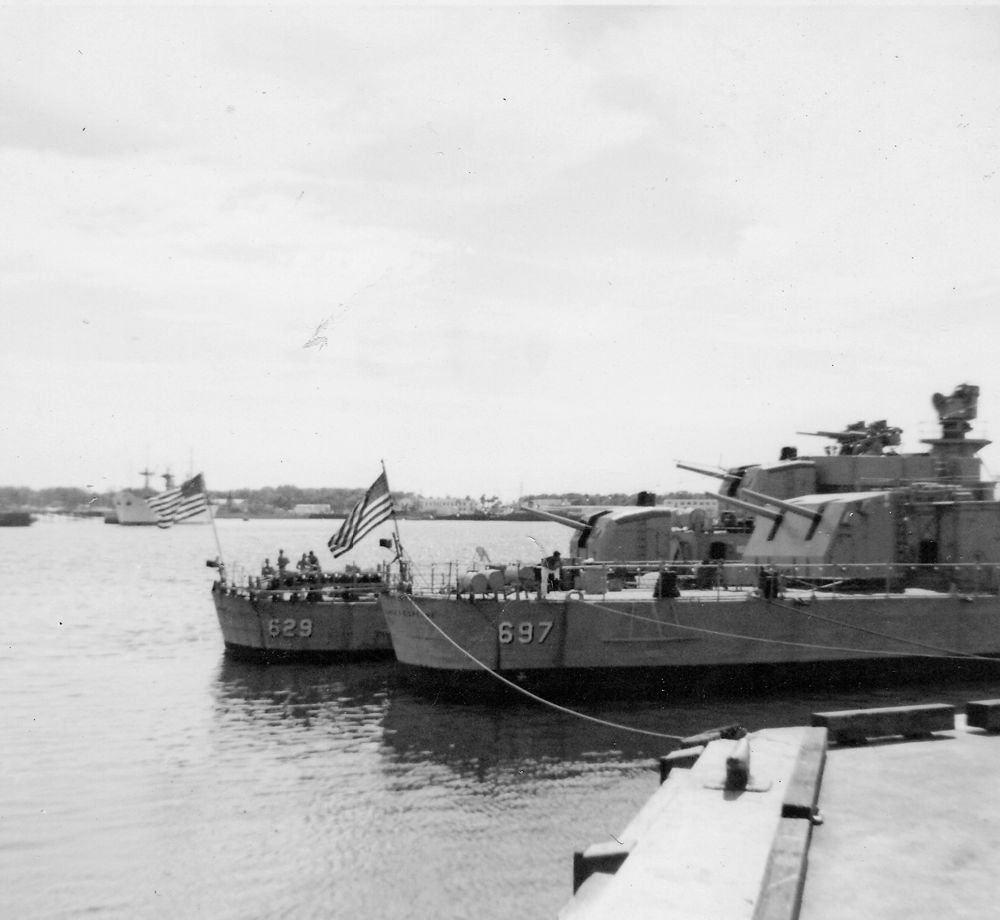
point(534, 696)
point(943, 652)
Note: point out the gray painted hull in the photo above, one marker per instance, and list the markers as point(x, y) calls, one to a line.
point(729, 629)
point(270, 627)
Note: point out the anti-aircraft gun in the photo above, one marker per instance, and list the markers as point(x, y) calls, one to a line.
point(862, 438)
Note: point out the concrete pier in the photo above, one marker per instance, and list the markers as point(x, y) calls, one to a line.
point(912, 830)
point(900, 819)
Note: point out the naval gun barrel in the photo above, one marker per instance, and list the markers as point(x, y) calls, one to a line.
point(769, 513)
point(837, 435)
point(808, 513)
point(558, 518)
point(706, 471)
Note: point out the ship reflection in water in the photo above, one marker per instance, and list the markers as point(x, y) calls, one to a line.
point(303, 694)
point(368, 703)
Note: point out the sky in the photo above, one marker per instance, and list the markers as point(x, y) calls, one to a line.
point(506, 250)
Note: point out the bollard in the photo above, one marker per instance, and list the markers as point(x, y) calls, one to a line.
point(738, 766)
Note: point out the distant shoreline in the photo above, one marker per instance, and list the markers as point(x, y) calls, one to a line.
point(228, 515)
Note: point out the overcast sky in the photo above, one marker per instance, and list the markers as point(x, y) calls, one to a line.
point(520, 248)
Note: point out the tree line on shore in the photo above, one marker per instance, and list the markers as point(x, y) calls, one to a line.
point(274, 498)
point(277, 498)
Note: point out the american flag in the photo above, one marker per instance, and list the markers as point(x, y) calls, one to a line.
point(366, 515)
point(175, 505)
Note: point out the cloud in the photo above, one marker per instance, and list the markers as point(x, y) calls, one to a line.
point(676, 231)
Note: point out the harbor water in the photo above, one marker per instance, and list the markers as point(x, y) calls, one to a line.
point(145, 775)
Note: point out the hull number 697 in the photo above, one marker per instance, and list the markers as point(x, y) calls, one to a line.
point(523, 632)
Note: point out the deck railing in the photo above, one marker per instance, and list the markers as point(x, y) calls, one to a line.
point(891, 578)
point(610, 577)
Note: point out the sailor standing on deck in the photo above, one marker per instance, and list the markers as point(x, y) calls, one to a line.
point(769, 582)
point(282, 560)
point(551, 579)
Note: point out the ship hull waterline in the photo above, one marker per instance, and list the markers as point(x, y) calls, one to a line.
point(269, 629)
point(575, 647)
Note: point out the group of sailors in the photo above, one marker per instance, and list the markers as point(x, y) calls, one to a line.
point(307, 565)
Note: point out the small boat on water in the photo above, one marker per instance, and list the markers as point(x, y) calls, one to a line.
point(861, 563)
point(16, 518)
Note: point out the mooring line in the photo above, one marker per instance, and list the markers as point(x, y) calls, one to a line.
point(944, 653)
point(534, 696)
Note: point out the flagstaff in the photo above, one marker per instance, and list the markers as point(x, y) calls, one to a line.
point(215, 531)
point(395, 520)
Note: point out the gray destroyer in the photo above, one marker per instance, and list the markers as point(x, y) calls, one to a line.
point(859, 561)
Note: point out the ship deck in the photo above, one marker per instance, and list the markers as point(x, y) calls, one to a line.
point(714, 595)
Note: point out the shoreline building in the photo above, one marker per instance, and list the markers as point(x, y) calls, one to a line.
point(690, 502)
